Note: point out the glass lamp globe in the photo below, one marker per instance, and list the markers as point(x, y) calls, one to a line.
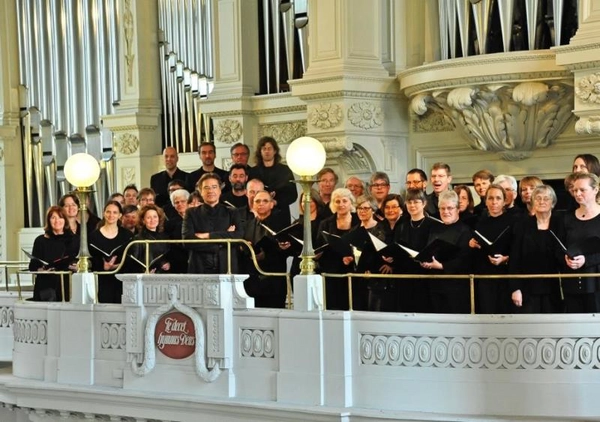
point(306, 156)
point(82, 170)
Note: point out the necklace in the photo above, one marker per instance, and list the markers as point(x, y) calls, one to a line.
point(420, 223)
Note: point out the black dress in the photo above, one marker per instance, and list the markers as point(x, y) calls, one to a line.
point(336, 289)
point(451, 295)
point(110, 288)
point(49, 248)
point(178, 255)
point(535, 251)
point(492, 295)
point(582, 294)
point(413, 293)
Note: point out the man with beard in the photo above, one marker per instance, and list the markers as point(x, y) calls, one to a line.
point(441, 177)
point(238, 176)
point(208, 154)
point(268, 291)
point(211, 220)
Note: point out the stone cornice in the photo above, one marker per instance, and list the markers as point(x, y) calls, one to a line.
point(337, 78)
point(576, 48)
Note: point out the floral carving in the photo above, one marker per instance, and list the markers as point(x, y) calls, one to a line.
point(128, 175)
point(127, 143)
point(285, 132)
point(365, 115)
point(128, 29)
point(433, 122)
point(588, 89)
point(228, 131)
point(326, 116)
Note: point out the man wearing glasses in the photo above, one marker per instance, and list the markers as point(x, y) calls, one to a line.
point(416, 179)
point(379, 187)
point(240, 153)
point(212, 220)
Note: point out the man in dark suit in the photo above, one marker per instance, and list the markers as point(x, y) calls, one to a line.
point(160, 181)
point(211, 220)
point(208, 154)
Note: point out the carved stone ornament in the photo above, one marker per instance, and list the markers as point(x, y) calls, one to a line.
point(285, 133)
point(127, 143)
point(149, 361)
point(588, 89)
point(512, 119)
point(128, 30)
point(433, 121)
point(257, 343)
point(335, 146)
point(325, 116)
point(228, 131)
point(365, 115)
point(128, 175)
point(588, 125)
point(357, 160)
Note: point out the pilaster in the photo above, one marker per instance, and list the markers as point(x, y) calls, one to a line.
point(136, 123)
point(12, 212)
point(582, 58)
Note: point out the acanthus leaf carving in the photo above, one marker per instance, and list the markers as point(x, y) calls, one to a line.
point(127, 143)
point(285, 133)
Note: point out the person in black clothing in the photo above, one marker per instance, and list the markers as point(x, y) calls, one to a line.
point(277, 177)
point(450, 295)
point(441, 178)
point(159, 182)
point(70, 204)
point(492, 295)
point(535, 250)
point(466, 205)
point(327, 181)
point(413, 232)
point(173, 227)
point(481, 182)
point(582, 295)
point(238, 177)
point(107, 244)
point(211, 220)
point(168, 208)
point(208, 154)
point(57, 243)
point(267, 291)
point(526, 187)
point(331, 260)
point(151, 223)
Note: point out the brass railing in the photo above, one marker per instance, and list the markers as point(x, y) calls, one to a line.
point(36, 273)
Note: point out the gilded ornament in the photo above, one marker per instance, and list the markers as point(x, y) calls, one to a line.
point(365, 115)
point(228, 131)
point(588, 89)
point(326, 116)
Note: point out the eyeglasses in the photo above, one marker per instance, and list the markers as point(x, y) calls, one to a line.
point(542, 199)
point(379, 185)
point(391, 207)
point(364, 209)
point(239, 154)
point(447, 208)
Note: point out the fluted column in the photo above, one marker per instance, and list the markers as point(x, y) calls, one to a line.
point(12, 208)
point(136, 123)
point(352, 99)
point(582, 57)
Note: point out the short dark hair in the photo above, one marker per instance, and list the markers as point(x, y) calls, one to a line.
point(128, 209)
point(419, 172)
point(63, 198)
point(483, 174)
point(237, 145)
point(207, 176)
point(239, 167)
point(176, 182)
point(203, 144)
point(131, 186)
point(146, 191)
point(440, 165)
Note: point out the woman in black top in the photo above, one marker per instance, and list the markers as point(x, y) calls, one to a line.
point(535, 250)
point(413, 232)
point(151, 223)
point(107, 245)
point(492, 295)
point(450, 295)
point(178, 255)
point(582, 294)
point(331, 260)
point(58, 247)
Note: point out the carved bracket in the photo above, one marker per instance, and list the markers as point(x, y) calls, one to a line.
point(513, 119)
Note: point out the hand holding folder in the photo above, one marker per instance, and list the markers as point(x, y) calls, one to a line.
point(492, 247)
point(154, 266)
point(438, 248)
point(586, 246)
point(60, 264)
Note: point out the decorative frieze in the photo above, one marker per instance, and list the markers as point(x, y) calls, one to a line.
point(257, 343)
point(31, 331)
point(6, 317)
point(524, 353)
point(113, 336)
point(285, 133)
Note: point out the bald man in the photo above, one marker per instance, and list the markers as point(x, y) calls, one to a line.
point(160, 181)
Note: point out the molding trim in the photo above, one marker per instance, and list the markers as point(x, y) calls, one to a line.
point(257, 343)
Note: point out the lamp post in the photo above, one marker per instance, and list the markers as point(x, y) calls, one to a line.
point(306, 157)
point(82, 170)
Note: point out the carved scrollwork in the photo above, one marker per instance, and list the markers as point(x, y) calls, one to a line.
point(365, 115)
point(325, 116)
point(588, 89)
point(433, 121)
point(512, 119)
point(588, 125)
point(228, 131)
point(285, 132)
point(127, 143)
